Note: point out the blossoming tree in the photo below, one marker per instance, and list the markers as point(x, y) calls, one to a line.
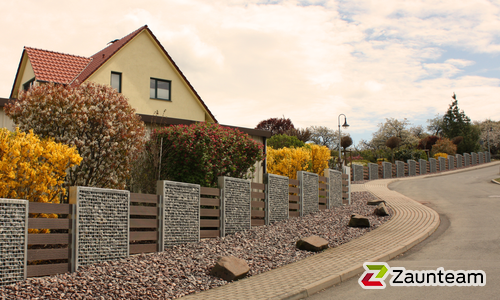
point(95, 119)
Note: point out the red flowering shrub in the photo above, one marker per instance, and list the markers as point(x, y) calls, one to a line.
point(202, 152)
point(95, 119)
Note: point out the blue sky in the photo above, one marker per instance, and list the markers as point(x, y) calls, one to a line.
point(306, 60)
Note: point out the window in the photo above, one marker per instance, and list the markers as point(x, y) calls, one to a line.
point(116, 81)
point(159, 89)
point(28, 84)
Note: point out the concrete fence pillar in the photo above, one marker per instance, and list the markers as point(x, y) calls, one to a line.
point(309, 192)
point(100, 225)
point(276, 198)
point(180, 213)
point(13, 240)
point(236, 205)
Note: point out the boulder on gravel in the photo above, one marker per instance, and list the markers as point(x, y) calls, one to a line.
point(312, 243)
point(230, 268)
point(375, 202)
point(381, 210)
point(359, 221)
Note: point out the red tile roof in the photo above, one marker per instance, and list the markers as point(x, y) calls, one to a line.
point(56, 67)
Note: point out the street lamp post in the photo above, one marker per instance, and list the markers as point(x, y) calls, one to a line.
point(488, 134)
point(345, 125)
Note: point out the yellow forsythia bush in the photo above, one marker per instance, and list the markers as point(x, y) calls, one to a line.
point(33, 169)
point(287, 161)
point(440, 154)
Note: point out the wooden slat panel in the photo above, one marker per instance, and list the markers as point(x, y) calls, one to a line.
point(323, 193)
point(345, 176)
point(47, 269)
point(209, 223)
point(258, 186)
point(49, 238)
point(257, 222)
point(345, 189)
point(322, 200)
point(143, 248)
point(49, 208)
point(38, 223)
point(209, 212)
point(143, 198)
point(293, 198)
point(258, 213)
point(258, 204)
point(322, 207)
point(323, 178)
point(258, 195)
point(293, 190)
point(143, 223)
point(323, 186)
point(293, 206)
point(143, 235)
point(293, 181)
point(46, 254)
point(209, 202)
point(204, 234)
point(143, 210)
point(209, 191)
point(294, 214)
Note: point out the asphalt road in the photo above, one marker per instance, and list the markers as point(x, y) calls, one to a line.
point(468, 238)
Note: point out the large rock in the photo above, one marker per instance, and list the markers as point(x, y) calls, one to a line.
point(359, 221)
point(375, 202)
point(312, 243)
point(381, 210)
point(230, 268)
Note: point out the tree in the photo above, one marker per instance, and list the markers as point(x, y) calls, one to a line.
point(303, 134)
point(490, 130)
point(95, 119)
point(435, 126)
point(279, 141)
point(324, 136)
point(276, 125)
point(456, 123)
point(444, 145)
point(394, 128)
point(427, 142)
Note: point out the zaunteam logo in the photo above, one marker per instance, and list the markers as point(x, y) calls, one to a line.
point(376, 272)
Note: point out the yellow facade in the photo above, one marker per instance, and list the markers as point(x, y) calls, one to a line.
point(26, 74)
point(142, 59)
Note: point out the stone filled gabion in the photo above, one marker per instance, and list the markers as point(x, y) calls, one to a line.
point(235, 204)
point(334, 188)
point(185, 269)
point(309, 192)
point(277, 198)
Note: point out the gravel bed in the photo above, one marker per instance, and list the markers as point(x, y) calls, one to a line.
point(185, 269)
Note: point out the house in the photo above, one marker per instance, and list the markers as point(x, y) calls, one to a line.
point(136, 65)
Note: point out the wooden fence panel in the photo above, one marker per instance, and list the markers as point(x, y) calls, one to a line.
point(209, 212)
point(293, 198)
point(144, 223)
point(49, 253)
point(345, 189)
point(258, 214)
point(323, 192)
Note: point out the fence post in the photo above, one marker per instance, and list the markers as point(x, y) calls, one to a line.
point(99, 212)
point(400, 169)
point(309, 192)
point(387, 167)
point(276, 198)
point(14, 245)
point(335, 188)
point(357, 171)
point(423, 166)
point(236, 205)
point(372, 171)
point(432, 165)
point(474, 158)
point(467, 161)
point(412, 167)
point(180, 212)
point(451, 162)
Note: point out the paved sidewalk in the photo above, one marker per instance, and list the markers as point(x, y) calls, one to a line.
point(411, 223)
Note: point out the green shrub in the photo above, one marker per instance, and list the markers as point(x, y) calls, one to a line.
point(406, 154)
point(202, 152)
point(279, 141)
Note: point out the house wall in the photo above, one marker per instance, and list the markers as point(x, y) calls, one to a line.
point(140, 60)
point(6, 122)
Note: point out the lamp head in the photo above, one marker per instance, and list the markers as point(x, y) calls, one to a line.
point(345, 123)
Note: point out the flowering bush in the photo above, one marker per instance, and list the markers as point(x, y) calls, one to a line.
point(33, 169)
point(93, 118)
point(202, 152)
point(440, 154)
point(287, 161)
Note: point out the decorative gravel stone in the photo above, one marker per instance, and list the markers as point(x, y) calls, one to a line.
point(185, 269)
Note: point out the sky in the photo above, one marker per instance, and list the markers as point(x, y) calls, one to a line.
point(309, 61)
